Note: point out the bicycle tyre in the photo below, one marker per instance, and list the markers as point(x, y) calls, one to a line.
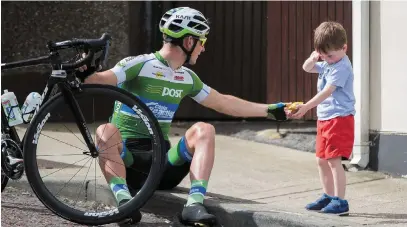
point(4, 181)
point(100, 218)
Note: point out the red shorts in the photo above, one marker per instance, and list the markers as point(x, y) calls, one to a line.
point(335, 137)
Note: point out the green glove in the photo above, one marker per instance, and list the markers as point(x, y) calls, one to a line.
point(276, 112)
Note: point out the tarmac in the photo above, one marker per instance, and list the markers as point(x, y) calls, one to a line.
point(252, 184)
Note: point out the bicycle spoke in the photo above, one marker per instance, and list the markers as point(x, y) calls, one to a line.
point(64, 142)
point(139, 151)
point(73, 176)
point(83, 184)
point(65, 167)
point(118, 175)
point(124, 165)
point(60, 117)
point(75, 135)
point(110, 136)
point(51, 155)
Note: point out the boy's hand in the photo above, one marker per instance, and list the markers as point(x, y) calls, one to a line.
point(314, 56)
point(302, 109)
point(292, 108)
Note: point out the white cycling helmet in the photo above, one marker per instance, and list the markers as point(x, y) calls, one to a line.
point(181, 21)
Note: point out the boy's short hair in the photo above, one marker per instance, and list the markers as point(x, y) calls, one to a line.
point(329, 36)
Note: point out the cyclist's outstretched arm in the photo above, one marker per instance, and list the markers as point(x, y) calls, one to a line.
point(105, 77)
point(234, 106)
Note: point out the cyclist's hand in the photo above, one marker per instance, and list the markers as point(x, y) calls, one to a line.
point(84, 71)
point(277, 111)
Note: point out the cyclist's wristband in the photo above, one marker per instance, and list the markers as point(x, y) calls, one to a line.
point(276, 112)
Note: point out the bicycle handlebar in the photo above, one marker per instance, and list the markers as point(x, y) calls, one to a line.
point(91, 46)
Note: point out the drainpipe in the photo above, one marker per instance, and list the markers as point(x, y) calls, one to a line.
point(361, 58)
point(148, 18)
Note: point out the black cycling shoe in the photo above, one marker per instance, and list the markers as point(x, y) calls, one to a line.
point(134, 218)
point(196, 215)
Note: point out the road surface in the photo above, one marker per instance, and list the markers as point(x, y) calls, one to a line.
point(22, 208)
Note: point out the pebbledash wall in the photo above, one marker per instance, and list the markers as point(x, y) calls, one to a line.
point(27, 26)
point(388, 92)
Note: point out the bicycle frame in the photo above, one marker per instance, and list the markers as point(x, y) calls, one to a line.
point(58, 79)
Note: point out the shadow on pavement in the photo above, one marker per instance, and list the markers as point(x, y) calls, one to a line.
point(168, 205)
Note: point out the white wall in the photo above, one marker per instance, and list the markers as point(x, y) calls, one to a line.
point(388, 66)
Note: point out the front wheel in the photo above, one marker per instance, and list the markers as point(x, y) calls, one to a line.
point(53, 145)
point(4, 181)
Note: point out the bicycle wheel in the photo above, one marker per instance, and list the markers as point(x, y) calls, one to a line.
point(4, 181)
point(63, 209)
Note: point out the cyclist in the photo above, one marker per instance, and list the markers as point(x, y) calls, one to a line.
point(161, 81)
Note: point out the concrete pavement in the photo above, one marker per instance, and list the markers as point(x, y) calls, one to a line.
point(254, 184)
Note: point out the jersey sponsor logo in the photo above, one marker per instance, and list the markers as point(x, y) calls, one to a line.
point(179, 78)
point(154, 89)
point(159, 74)
point(158, 67)
point(172, 92)
point(123, 62)
point(163, 91)
point(160, 111)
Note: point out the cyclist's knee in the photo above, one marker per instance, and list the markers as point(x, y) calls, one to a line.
point(203, 131)
point(107, 134)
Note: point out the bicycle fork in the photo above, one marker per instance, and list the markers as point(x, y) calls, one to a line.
point(79, 118)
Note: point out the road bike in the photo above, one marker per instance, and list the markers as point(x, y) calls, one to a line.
point(63, 88)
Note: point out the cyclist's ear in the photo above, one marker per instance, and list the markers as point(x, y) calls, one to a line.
point(188, 42)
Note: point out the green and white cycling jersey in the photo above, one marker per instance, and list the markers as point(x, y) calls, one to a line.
point(150, 78)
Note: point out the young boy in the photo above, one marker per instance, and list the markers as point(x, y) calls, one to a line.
point(335, 110)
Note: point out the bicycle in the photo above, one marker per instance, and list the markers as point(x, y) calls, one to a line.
point(64, 87)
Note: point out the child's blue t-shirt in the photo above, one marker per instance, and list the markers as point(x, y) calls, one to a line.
point(342, 100)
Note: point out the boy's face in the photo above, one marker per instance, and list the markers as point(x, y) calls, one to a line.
point(333, 56)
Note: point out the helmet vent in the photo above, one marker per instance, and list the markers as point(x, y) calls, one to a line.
point(199, 18)
point(199, 27)
point(174, 28)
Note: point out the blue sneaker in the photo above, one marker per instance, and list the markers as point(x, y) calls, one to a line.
point(320, 203)
point(337, 206)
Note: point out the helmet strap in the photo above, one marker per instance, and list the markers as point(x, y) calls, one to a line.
point(179, 42)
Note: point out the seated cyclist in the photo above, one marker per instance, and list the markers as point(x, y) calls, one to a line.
point(161, 81)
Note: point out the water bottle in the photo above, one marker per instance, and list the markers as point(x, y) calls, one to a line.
point(29, 106)
point(11, 108)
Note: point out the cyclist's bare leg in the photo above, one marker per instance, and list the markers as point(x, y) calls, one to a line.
point(109, 144)
point(200, 142)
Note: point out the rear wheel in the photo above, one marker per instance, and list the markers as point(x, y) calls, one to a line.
point(37, 133)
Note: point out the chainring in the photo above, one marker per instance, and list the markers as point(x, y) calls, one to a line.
point(12, 164)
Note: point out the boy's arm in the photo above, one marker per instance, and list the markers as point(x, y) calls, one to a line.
point(321, 96)
point(337, 78)
point(310, 65)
